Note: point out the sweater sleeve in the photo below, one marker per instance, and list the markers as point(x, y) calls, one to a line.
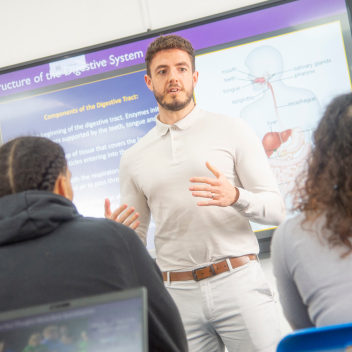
point(132, 196)
point(166, 331)
point(295, 311)
point(259, 200)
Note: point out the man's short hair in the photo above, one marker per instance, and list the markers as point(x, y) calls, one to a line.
point(168, 42)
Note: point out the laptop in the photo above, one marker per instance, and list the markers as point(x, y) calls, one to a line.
point(113, 322)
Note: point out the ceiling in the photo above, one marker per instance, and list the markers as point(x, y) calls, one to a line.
point(39, 28)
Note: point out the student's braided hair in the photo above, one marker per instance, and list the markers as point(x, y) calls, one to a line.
point(30, 163)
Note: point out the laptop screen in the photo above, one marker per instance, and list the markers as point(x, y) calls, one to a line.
point(106, 327)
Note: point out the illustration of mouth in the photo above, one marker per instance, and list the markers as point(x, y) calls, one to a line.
point(260, 80)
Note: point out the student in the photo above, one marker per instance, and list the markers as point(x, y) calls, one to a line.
point(312, 252)
point(48, 252)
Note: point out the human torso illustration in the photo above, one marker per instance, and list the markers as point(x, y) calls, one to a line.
point(283, 117)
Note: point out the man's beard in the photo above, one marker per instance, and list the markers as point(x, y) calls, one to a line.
point(176, 104)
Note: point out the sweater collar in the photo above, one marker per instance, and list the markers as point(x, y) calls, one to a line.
point(183, 124)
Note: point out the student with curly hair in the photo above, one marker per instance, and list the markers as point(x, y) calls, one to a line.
point(312, 252)
point(48, 252)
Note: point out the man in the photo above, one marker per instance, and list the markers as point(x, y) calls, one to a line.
point(50, 253)
point(229, 301)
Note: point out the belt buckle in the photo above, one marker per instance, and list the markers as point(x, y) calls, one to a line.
point(194, 274)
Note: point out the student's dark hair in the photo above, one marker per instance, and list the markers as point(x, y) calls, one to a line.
point(168, 42)
point(30, 163)
point(327, 189)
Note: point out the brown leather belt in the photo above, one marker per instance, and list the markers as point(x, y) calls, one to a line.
point(211, 270)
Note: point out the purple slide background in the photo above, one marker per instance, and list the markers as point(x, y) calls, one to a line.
point(251, 24)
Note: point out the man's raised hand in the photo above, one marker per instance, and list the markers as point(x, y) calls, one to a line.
point(219, 190)
point(126, 218)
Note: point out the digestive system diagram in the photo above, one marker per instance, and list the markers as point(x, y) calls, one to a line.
point(283, 117)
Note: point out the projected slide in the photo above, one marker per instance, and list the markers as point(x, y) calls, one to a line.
point(280, 86)
point(95, 123)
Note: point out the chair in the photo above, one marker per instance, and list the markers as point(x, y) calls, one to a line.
point(337, 338)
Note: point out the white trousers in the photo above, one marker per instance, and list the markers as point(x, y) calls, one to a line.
point(235, 309)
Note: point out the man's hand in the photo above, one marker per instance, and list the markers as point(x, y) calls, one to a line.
point(219, 190)
point(126, 218)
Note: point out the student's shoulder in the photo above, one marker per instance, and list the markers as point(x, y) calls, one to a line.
point(290, 232)
point(293, 225)
point(105, 241)
point(103, 231)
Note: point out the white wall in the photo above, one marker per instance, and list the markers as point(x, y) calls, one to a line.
point(38, 28)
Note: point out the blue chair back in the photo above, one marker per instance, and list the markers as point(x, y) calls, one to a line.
point(337, 338)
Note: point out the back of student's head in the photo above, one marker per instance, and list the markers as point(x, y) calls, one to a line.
point(30, 163)
point(328, 186)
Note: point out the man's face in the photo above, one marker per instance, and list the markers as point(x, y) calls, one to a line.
point(172, 80)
